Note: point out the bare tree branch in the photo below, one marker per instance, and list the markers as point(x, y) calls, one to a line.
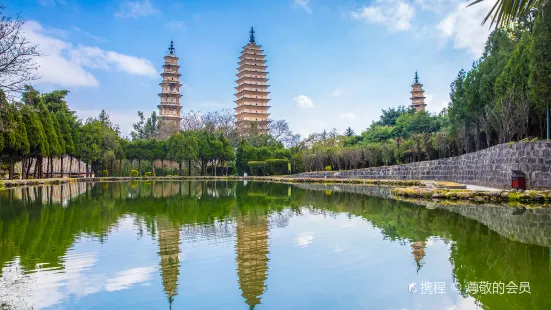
point(17, 53)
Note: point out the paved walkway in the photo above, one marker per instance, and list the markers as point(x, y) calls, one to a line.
point(482, 188)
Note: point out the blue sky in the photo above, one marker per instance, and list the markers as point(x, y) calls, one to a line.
point(332, 63)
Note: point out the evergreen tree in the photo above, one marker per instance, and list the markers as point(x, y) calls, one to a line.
point(349, 132)
point(541, 73)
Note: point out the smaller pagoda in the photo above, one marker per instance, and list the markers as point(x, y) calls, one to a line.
point(417, 95)
point(418, 251)
point(169, 108)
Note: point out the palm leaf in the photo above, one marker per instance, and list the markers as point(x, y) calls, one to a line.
point(504, 12)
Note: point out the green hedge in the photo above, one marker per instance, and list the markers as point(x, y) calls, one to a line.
point(147, 174)
point(105, 173)
point(273, 166)
point(134, 173)
point(278, 166)
point(258, 167)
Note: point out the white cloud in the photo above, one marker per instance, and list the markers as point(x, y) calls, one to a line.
point(396, 15)
point(95, 57)
point(462, 26)
point(129, 277)
point(433, 5)
point(304, 239)
point(55, 68)
point(306, 127)
point(51, 2)
point(304, 4)
point(337, 92)
point(428, 98)
point(304, 101)
point(63, 63)
point(135, 9)
point(96, 38)
point(176, 25)
point(348, 116)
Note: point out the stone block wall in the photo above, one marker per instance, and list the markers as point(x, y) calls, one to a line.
point(490, 167)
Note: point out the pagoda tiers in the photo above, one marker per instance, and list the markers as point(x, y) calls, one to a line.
point(169, 109)
point(252, 256)
point(417, 95)
point(169, 252)
point(252, 89)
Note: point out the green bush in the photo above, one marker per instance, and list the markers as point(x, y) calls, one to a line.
point(147, 174)
point(2, 184)
point(134, 173)
point(278, 166)
point(258, 167)
point(105, 173)
point(328, 168)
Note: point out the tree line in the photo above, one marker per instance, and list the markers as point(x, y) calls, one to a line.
point(504, 97)
point(42, 128)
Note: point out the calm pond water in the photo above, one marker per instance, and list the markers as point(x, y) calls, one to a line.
point(236, 245)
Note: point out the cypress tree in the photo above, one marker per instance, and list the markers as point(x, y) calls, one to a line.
point(48, 124)
point(541, 74)
point(36, 137)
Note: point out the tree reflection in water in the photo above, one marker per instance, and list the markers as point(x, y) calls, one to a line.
point(38, 225)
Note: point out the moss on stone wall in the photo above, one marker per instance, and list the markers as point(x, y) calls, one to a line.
point(531, 196)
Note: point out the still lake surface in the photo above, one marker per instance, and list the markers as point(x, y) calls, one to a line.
point(239, 245)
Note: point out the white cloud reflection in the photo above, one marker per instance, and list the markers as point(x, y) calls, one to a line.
point(304, 239)
point(50, 286)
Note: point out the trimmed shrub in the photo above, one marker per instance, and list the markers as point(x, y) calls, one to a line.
point(147, 174)
point(105, 173)
point(134, 173)
point(328, 168)
point(258, 167)
point(278, 166)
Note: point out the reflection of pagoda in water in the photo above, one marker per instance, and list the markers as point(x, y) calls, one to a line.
point(252, 256)
point(418, 251)
point(169, 251)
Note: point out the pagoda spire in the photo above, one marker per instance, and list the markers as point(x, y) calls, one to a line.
point(171, 49)
point(251, 36)
point(416, 79)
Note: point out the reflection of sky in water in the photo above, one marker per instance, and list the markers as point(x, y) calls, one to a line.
point(317, 261)
point(89, 268)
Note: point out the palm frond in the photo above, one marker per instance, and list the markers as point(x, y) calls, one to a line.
point(504, 12)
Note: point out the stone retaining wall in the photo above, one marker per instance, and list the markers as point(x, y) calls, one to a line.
point(490, 167)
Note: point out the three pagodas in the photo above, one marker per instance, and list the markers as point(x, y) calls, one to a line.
point(252, 91)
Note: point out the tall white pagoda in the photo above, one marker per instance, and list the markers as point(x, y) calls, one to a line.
point(252, 89)
point(169, 108)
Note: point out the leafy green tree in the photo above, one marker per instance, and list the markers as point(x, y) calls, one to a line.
point(183, 147)
point(245, 154)
point(36, 136)
point(14, 144)
point(541, 74)
point(146, 129)
point(388, 117)
point(377, 133)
